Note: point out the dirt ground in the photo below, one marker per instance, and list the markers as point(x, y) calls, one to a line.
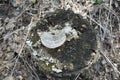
point(19, 17)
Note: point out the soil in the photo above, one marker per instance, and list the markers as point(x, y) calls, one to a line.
point(76, 52)
point(95, 55)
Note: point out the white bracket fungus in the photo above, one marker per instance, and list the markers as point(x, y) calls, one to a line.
point(53, 39)
point(70, 32)
point(56, 38)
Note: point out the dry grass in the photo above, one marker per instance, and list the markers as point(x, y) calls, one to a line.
point(14, 56)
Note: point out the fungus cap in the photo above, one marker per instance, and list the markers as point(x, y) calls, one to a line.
point(53, 39)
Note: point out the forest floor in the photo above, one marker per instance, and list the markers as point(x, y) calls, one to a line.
point(17, 17)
